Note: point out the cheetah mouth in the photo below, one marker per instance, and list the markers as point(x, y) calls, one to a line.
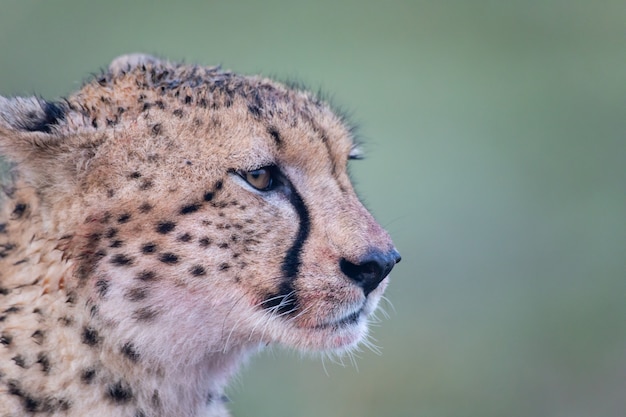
point(345, 321)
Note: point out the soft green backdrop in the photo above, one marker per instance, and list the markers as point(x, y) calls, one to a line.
point(496, 134)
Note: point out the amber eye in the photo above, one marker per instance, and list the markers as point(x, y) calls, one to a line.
point(261, 178)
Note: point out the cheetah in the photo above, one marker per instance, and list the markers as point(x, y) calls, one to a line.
point(164, 223)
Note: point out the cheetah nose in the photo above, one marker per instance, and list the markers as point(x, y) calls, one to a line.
point(371, 269)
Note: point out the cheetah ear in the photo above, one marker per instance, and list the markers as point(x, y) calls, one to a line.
point(30, 135)
point(126, 63)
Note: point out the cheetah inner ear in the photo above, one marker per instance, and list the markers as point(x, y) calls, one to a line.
point(125, 63)
point(30, 136)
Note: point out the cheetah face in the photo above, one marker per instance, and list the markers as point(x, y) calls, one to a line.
point(209, 210)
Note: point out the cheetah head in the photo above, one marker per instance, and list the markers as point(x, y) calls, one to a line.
point(203, 211)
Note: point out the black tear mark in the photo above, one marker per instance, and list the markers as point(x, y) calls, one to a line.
point(284, 300)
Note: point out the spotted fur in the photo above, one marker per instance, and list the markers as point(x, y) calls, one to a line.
point(138, 267)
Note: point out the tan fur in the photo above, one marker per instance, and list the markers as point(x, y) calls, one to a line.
point(136, 263)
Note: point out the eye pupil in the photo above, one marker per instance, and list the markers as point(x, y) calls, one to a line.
point(261, 178)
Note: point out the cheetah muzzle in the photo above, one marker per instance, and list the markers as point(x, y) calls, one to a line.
point(163, 223)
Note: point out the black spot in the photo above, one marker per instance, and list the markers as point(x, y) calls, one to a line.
point(53, 114)
point(168, 258)
point(123, 218)
point(111, 233)
point(130, 352)
point(187, 99)
point(136, 294)
point(254, 110)
point(208, 196)
point(144, 314)
point(88, 375)
point(204, 242)
point(3, 227)
point(145, 207)
point(165, 227)
point(198, 271)
point(178, 113)
point(156, 399)
point(19, 210)
point(156, 129)
point(160, 104)
point(223, 245)
point(117, 244)
point(146, 106)
point(120, 392)
point(148, 248)
point(146, 276)
point(121, 260)
point(224, 266)
point(219, 185)
point(90, 336)
point(66, 321)
point(110, 193)
point(12, 309)
point(19, 361)
point(6, 339)
point(135, 175)
point(185, 237)
point(273, 132)
point(4, 291)
point(190, 208)
point(146, 185)
point(102, 287)
point(43, 360)
point(38, 336)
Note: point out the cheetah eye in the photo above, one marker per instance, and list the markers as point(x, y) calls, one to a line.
point(262, 179)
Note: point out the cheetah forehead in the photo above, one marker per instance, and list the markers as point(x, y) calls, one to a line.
point(140, 86)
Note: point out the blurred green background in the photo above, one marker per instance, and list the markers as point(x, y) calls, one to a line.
point(496, 141)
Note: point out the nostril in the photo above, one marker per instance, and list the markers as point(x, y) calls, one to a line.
point(371, 269)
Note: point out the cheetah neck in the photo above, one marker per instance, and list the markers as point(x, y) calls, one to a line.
point(50, 326)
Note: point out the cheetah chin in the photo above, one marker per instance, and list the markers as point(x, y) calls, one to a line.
point(164, 222)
